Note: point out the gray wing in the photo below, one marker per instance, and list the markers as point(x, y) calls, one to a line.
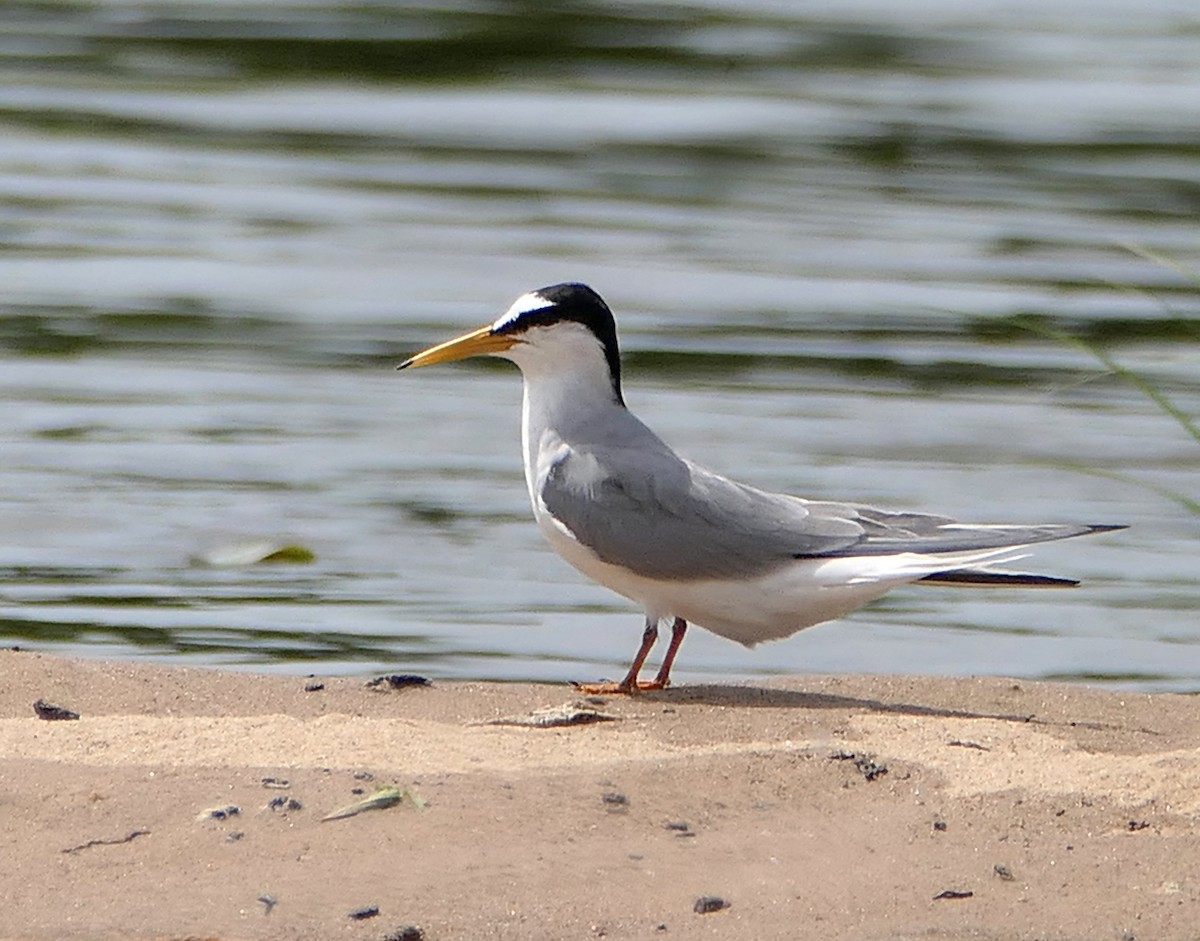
point(662, 517)
point(654, 513)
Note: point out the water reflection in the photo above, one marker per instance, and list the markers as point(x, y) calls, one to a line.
point(844, 252)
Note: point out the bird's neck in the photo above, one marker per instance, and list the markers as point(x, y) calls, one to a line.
point(563, 405)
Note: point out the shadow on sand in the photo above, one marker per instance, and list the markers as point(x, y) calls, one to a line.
point(766, 697)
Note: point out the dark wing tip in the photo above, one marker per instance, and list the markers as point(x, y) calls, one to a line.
point(1008, 579)
point(1105, 527)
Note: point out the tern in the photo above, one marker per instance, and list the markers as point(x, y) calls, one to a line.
point(687, 544)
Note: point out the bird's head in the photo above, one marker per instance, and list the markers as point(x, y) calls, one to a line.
point(560, 327)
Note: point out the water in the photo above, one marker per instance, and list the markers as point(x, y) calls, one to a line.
point(827, 238)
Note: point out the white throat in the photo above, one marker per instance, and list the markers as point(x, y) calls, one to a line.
point(567, 389)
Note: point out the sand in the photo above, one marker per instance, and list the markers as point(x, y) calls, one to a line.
point(831, 807)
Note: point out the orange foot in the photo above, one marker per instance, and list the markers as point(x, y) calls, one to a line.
point(609, 688)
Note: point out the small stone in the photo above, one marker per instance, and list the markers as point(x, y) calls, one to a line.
point(406, 933)
point(398, 681)
point(954, 894)
point(867, 766)
point(53, 713)
point(367, 911)
point(707, 904)
point(219, 813)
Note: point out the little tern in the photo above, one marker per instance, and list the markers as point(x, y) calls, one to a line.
point(685, 543)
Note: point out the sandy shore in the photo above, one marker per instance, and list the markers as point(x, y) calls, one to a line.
point(834, 807)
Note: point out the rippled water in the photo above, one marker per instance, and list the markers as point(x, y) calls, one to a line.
point(846, 250)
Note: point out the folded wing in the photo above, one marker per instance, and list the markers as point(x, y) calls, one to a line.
point(663, 517)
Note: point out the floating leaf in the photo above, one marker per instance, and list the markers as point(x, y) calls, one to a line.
point(256, 552)
point(294, 554)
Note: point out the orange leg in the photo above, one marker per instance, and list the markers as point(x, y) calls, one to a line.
point(631, 683)
point(678, 629)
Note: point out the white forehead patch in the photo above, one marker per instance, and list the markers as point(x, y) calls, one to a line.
point(525, 304)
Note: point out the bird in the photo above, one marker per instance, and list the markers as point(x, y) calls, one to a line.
point(687, 544)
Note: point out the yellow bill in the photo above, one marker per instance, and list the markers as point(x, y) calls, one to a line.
point(475, 343)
